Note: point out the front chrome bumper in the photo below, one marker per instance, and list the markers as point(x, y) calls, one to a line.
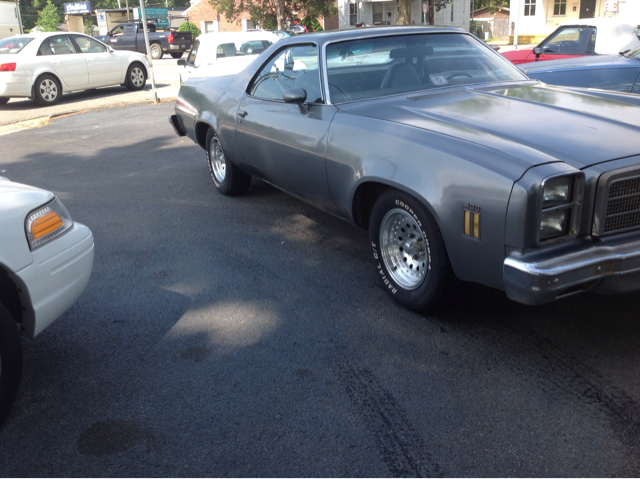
point(610, 265)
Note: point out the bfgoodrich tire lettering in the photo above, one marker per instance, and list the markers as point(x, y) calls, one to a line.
point(228, 178)
point(10, 361)
point(408, 252)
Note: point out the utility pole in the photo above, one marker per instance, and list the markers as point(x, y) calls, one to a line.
point(146, 43)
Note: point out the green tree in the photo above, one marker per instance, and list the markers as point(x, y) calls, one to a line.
point(270, 12)
point(189, 27)
point(492, 5)
point(48, 18)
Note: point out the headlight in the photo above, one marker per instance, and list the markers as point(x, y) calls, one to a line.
point(557, 191)
point(46, 223)
point(553, 224)
point(560, 203)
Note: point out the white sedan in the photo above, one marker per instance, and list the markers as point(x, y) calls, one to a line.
point(43, 66)
point(45, 263)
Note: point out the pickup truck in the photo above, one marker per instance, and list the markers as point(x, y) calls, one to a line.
point(130, 36)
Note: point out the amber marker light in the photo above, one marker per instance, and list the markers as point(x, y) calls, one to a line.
point(47, 223)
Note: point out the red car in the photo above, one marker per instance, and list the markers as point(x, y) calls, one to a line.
point(578, 38)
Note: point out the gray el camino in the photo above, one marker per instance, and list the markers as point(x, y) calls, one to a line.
point(458, 165)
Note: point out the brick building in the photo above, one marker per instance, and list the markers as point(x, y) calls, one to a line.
point(207, 19)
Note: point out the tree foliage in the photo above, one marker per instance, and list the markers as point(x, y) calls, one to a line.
point(265, 12)
point(492, 5)
point(190, 27)
point(48, 18)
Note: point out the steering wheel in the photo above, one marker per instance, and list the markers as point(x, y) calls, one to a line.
point(458, 74)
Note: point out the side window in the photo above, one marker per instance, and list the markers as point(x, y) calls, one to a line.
point(295, 67)
point(58, 45)
point(571, 41)
point(88, 44)
point(226, 50)
point(128, 30)
point(191, 59)
point(117, 31)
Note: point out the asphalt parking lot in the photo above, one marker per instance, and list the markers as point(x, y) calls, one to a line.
point(247, 337)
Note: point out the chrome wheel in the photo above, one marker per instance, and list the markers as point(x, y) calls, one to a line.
point(404, 249)
point(137, 77)
point(218, 163)
point(48, 90)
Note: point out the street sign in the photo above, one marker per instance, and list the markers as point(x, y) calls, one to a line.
point(77, 8)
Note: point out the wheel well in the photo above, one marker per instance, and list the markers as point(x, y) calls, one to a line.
point(363, 200)
point(33, 88)
point(9, 295)
point(201, 133)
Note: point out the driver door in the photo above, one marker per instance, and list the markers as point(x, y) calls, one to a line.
point(568, 42)
point(285, 143)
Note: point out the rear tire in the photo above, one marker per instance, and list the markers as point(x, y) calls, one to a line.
point(408, 252)
point(155, 51)
point(136, 77)
point(228, 178)
point(47, 90)
point(176, 55)
point(4, 100)
point(10, 362)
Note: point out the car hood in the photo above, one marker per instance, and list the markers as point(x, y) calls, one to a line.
point(535, 123)
point(581, 62)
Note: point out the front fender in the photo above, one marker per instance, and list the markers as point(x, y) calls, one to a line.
point(446, 174)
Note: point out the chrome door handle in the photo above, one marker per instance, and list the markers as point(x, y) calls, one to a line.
point(242, 114)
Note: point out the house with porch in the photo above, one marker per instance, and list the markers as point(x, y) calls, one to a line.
point(353, 13)
point(535, 19)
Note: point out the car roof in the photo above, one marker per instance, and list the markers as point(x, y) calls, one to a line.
point(222, 37)
point(327, 36)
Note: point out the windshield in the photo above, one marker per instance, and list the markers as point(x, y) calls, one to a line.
point(13, 44)
point(383, 66)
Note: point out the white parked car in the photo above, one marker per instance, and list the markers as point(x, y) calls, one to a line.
point(216, 54)
point(45, 263)
point(43, 66)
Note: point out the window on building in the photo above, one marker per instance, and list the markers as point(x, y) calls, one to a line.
point(529, 8)
point(353, 14)
point(560, 7)
point(377, 13)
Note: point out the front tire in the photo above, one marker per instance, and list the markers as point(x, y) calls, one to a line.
point(408, 251)
point(136, 77)
point(10, 362)
point(176, 55)
point(156, 51)
point(228, 178)
point(47, 90)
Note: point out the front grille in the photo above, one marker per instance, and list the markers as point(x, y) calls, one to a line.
point(618, 203)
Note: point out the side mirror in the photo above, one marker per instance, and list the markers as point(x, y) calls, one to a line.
point(537, 50)
point(296, 95)
point(182, 62)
